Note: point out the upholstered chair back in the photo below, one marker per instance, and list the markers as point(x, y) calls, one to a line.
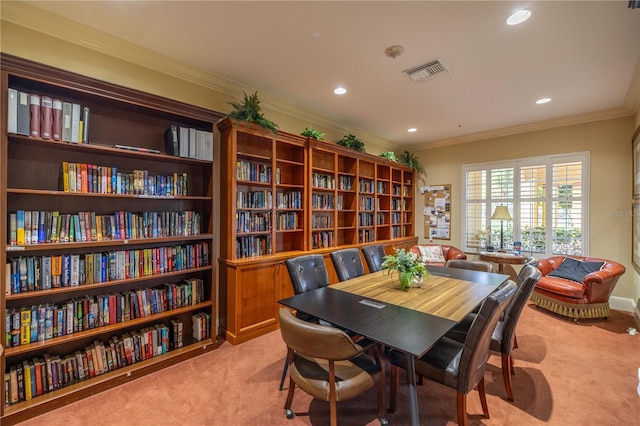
point(475, 353)
point(307, 272)
point(374, 256)
point(347, 263)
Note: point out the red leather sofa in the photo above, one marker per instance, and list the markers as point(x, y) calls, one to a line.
point(449, 252)
point(586, 299)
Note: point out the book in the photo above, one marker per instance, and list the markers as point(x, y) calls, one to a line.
point(207, 147)
point(34, 118)
point(24, 114)
point(46, 118)
point(85, 125)
point(66, 121)
point(12, 111)
point(171, 140)
point(13, 229)
point(56, 125)
point(183, 140)
point(27, 227)
point(75, 123)
point(192, 143)
point(35, 221)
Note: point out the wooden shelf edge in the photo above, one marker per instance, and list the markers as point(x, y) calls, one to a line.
point(24, 410)
point(104, 243)
point(101, 195)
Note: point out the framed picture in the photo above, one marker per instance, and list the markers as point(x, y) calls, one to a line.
point(636, 163)
point(635, 219)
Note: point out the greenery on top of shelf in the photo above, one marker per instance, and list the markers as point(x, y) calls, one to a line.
point(350, 141)
point(389, 155)
point(312, 133)
point(410, 160)
point(250, 111)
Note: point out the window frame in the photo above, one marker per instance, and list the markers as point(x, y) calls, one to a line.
point(517, 164)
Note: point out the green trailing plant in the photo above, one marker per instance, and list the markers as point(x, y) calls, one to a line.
point(389, 155)
point(350, 141)
point(249, 110)
point(410, 160)
point(312, 133)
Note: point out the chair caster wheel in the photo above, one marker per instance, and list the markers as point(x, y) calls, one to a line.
point(290, 413)
point(383, 421)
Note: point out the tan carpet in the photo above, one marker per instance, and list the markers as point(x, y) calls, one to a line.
point(566, 374)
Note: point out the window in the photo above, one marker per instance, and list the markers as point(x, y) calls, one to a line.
point(547, 198)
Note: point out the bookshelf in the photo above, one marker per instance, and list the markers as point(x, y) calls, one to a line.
point(328, 197)
point(128, 278)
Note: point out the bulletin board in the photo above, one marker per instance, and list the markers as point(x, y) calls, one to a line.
point(437, 211)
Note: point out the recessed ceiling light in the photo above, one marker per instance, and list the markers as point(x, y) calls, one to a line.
point(543, 101)
point(339, 90)
point(412, 129)
point(518, 17)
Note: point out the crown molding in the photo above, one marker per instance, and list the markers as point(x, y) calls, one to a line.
point(531, 127)
point(76, 33)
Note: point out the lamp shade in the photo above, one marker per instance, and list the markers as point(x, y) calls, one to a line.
point(501, 213)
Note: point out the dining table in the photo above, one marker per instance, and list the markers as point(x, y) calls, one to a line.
point(410, 321)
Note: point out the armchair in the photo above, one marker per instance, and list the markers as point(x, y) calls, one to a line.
point(585, 294)
point(431, 252)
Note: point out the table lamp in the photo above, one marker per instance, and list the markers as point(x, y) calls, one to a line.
point(501, 213)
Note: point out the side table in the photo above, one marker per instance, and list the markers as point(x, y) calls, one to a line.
point(503, 259)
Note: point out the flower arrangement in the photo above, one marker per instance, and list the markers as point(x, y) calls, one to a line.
point(408, 265)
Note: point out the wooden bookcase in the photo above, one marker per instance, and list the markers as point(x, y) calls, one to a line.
point(346, 200)
point(30, 181)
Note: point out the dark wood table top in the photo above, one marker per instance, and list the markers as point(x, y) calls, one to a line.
point(372, 307)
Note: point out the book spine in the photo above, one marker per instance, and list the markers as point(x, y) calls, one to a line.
point(46, 121)
point(24, 114)
point(85, 125)
point(75, 123)
point(66, 121)
point(12, 111)
point(34, 110)
point(56, 125)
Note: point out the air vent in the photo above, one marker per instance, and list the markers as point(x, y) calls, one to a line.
point(426, 71)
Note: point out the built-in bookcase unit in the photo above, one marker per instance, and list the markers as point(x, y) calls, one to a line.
point(115, 276)
point(288, 196)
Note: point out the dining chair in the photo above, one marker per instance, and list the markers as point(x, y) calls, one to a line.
point(474, 265)
point(503, 339)
point(459, 365)
point(307, 272)
point(347, 263)
point(327, 364)
point(374, 256)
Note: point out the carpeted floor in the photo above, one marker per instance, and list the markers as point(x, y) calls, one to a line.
point(566, 374)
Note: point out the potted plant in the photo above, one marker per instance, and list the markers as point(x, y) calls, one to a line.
point(249, 110)
point(389, 155)
point(312, 133)
point(410, 268)
point(410, 160)
point(350, 141)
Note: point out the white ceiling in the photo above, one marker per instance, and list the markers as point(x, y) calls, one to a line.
point(582, 54)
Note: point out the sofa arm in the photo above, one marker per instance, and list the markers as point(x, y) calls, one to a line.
point(599, 285)
point(454, 253)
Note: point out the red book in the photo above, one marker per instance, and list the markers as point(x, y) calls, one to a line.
point(85, 179)
point(34, 122)
point(56, 126)
point(46, 122)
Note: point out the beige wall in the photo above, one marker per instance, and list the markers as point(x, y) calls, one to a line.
point(608, 142)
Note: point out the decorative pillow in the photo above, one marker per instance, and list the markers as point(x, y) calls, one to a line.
point(575, 270)
point(432, 254)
